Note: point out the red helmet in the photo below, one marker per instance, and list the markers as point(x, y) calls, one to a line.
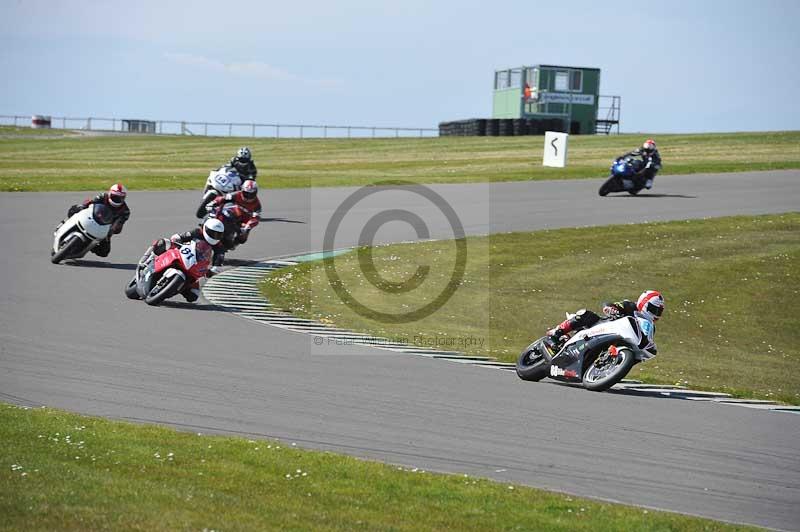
point(249, 189)
point(651, 304)
point(649, 145)
point(116, 194)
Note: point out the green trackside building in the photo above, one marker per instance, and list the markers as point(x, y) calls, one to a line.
point(547, 92)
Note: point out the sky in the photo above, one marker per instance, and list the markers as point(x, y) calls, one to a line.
point(679, 66)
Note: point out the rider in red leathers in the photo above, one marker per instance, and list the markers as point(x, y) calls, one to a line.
point(240, 211)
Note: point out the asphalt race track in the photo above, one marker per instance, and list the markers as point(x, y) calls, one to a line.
point(70, 339)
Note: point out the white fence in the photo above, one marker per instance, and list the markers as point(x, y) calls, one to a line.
point(227, 129)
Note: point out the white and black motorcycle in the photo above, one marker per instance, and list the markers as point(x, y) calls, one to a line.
point(78, 234)
point(220, 182)
point(597, 357)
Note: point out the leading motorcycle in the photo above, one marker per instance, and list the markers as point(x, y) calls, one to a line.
point(159, 277)
point(75, 236)
point(624, 177)
point(597, 357)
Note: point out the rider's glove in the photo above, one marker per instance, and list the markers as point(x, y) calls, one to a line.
point(611, 311)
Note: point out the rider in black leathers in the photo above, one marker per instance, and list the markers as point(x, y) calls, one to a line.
point(244, 164)
point(651, 162)
point(114, 199)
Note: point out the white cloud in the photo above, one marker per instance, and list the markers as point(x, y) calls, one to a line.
point(195, 60)
point(254, 69)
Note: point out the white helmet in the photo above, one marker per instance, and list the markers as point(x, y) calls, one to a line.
point(213, 230)
point(249, 189)
point(244, 154)
point(651, 304)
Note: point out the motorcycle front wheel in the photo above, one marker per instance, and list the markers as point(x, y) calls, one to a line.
point(67, 250)
point(606, 370)
point(131, 289)
point(164, 289)
point(533, 364)
point(609, 186)
point(207, 197)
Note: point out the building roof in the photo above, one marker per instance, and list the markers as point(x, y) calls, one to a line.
point(548, 66)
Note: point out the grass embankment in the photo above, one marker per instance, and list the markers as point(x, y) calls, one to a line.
point(61, 471)
point(730, 286)
point(15, 131)
point(175, 162)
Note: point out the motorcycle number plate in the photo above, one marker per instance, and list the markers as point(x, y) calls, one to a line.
point(555, 371)
point(188, 255)
point(221, 181)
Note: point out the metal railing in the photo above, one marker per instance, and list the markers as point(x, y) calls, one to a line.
point(225, 129)
point(611, 107)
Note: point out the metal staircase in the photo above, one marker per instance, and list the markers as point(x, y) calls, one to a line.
point(608, 113)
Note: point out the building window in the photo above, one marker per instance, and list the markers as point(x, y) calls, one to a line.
point(515, 78)
point(576, 81)
point(561, 81)
point(571, 81)
point(501, 79)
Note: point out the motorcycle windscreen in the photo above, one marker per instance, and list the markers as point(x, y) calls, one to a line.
point(102, 214)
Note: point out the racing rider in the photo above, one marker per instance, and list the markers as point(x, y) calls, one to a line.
point(242, 212)
point(244, 164)
point(650, 306)
point(115, 200)
point(651, 160)
point(211, 231)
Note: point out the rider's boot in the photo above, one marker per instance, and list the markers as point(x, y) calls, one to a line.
point(191, 295)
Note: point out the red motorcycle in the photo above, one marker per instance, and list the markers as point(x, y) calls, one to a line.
point(159, 277)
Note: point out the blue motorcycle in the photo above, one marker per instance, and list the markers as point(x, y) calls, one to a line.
point(624, 177)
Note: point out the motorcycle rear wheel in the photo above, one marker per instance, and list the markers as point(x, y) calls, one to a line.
point(533, 364)
point(66, 250)
point(164, 290)
point(600, 378)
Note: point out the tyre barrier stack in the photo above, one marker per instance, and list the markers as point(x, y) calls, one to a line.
point(474, 127)
point(503, 127)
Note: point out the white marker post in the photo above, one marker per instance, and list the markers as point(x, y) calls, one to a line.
point(555, 149)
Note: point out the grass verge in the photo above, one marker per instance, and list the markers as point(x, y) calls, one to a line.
point(40, 163)
point(62, 471)
point(730, 286)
